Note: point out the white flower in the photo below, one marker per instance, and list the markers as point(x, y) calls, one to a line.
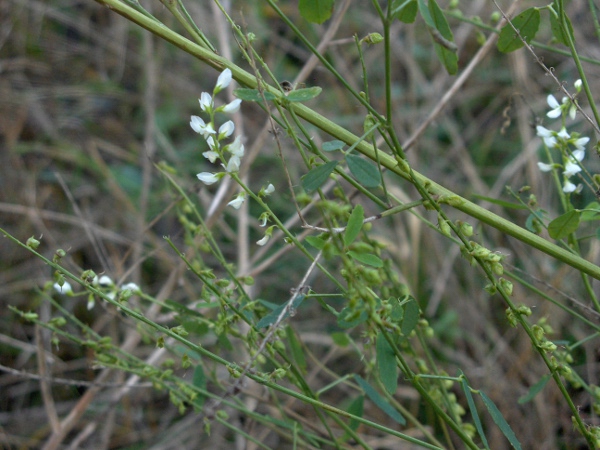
point(545, 167)
point(205, 102)
point(238, 200)
point(262, 220)
point(233, 165)
point(547, 135)
point(208, 178)
point(569, 187)
point(91, 302)
point(556, 110)
point(269, 189)
point(578, 85)
point(580, 143)
point(232, 107)
point(264, 240)
point(200, 127)
point(65, 289)
point(226, 130)
point(105, 281)
point(572, 111)
point(563, 134)
point(223, 81)
point(236, 148)
point(571, 168)
point(211, 156)
point(131, 286)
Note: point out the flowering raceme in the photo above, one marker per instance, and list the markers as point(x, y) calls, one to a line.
point(571, 145)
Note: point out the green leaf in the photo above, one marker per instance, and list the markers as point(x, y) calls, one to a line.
point(590, 212)
point(302, 95)
point(199, 380)
point(316, 242)
point(354, 226)
point(528, 23)
point(498, 202)
point(411, 316)
point(340, 339)
point(557, 29)
point(364, 172)
point(356, 408)
point(424, 10)
point(317, 176)
point(500, 421)
point(473, 409)
point(564, 225)
point(333, 145)
point(386, 364)
point(534, 221)
point(535, 389)
point(405, 10)
point(381, 402)
point(296, 348)
point(366, 258)
point(252, 95)
point(443, 38)
point(316, 11)
point(272, 317)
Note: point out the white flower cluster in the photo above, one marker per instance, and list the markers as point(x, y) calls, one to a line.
point(571, 145)
point(104, 283)
point(231, 154)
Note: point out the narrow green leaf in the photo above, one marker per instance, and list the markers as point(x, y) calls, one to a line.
point(498, 202)
point(564, 225)
point(316, 11)
point(500, 421)
point(302, 95)
point(340, 339)
point(528, 23)
point(535, 389)
point(314, 179)
point(557, 30)
point(296, 348)
point(252, 95)
point(356, 408)
point(443, 38)
point(272, 317)
point(386, 364)
point(333, 145)
point(405, 10)
point(474, 413)
point(366, 258)
point(355, 224)
point(411, 316)
point(199, 380)
point(381, 402)
point(365, 172)
point(316, 242)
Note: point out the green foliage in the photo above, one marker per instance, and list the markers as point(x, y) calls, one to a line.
point(526, 25)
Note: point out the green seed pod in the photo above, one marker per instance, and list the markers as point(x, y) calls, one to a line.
point(497, 268)
point(33, 243)
point(507, 286)
point(444, 226)
point(466, 229)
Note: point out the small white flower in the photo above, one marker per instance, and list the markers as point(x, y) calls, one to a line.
point(578, 85)
point(547, 135)
point(201, 127)
point(226, 130)
point(238, 200)
point(211, 156)
point(556, 110)
point(571, 168)
point(65, 289)
point(264, 240)
point(223, 81)
point(208, 178)
point(233, 165)
point(232, 107)
point(569, 187)
point(105, 281)
point(563, 134)
point(91, 302)
point(236, 148)
point(572, 111)
point(205, 101)
point(579, 154)
point(580, 143)
point(269, 189)
point(545, 167)
point(131, 286)
point(262, 220)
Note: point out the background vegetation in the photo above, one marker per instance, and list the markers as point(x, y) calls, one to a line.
point(91, 103)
